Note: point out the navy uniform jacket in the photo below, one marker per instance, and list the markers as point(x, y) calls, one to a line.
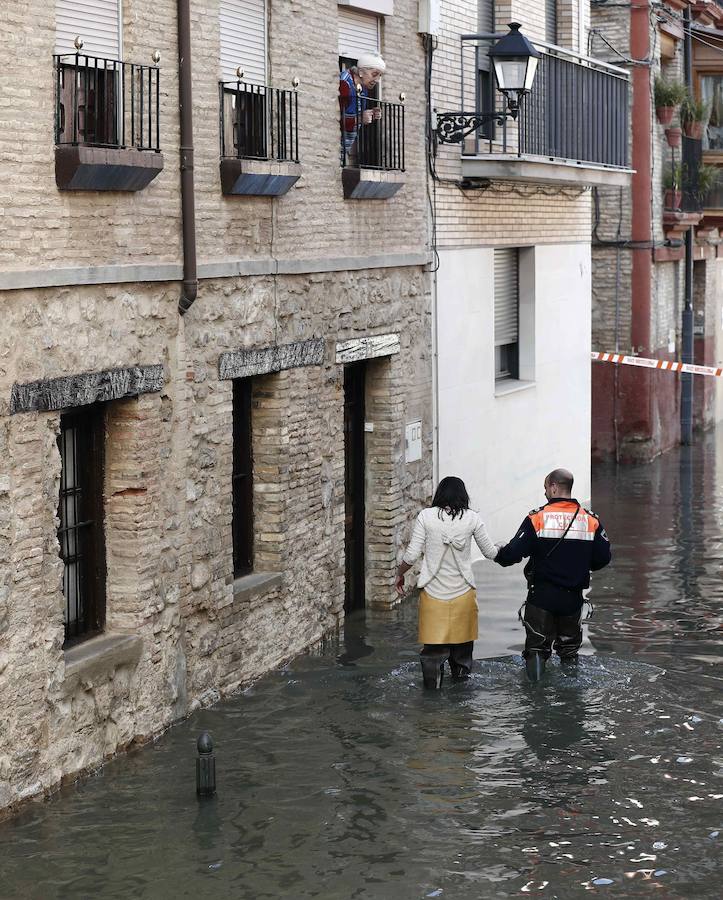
point(559, 567)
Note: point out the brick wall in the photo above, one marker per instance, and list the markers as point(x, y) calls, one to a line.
point(504, 214)
point(46, 228)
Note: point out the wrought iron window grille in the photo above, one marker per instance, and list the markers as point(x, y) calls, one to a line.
point(258, 122)
point(103, 102)
point(376, 144)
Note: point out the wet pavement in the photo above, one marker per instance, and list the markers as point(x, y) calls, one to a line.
point(339, 777)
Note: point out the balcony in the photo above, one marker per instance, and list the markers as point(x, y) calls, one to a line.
point(372, 150)
point(572, 127)
point(259, 139)
point(106, 124)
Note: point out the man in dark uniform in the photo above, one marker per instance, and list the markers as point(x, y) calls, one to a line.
point(564, 543)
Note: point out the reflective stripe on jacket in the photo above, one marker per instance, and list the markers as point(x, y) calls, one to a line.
point(564, 543)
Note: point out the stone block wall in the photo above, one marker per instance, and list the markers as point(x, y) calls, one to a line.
point(180, 630)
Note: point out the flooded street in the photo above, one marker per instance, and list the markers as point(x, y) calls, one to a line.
point(339, 777)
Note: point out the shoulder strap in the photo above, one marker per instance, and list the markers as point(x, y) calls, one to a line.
point(564, 535)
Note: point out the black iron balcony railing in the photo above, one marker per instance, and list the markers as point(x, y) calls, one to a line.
point(577, 109)
point(259, 122)
point(106, 103)
point(376, 140)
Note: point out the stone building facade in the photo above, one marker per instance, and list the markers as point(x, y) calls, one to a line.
point(638, 257)
point(295, 291)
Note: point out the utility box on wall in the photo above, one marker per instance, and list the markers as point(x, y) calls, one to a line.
point(429, 16)
point(413, 442)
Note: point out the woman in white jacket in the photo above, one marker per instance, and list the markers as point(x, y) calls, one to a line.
point(447, 600)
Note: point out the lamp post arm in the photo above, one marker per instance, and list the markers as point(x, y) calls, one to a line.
point(454, 127)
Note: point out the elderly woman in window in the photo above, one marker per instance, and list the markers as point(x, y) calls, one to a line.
point(355, 84)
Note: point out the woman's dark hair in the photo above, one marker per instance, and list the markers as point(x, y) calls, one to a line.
point(451, 494)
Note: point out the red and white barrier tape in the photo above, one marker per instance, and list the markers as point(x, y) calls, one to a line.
point(664, 364)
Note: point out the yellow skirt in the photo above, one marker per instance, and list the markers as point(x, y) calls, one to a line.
point(448, 621)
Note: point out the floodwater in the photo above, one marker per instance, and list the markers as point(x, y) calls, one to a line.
point(339, 777)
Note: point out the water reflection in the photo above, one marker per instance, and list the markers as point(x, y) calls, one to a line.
point(340, 777)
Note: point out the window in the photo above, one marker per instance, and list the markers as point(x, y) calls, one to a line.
point(711, 92)
point(246, 120)
point(551, 21)
point(88, 84)
point(80, 511)
point(242, 479)
point(358, 33)
point(507, 312)
point(485, 100)
point(242, 25)
point(87, 102)
point(96, 21)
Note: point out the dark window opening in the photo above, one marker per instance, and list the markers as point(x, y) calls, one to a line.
point(80, 511)
point(88, 105)
point(486, 102)
point(242, 479)
point(246, 122)
point(507, 312)
point(507, 361)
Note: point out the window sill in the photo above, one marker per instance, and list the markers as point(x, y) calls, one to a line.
point(248, 586)
point(257, 177)
point(100, 656)
point(370, 184)
point(512, 386)
point(84, 168)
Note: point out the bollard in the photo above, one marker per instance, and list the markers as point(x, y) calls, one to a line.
point(205, 766)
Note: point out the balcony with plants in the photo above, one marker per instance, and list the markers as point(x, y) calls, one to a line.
point(690, 182)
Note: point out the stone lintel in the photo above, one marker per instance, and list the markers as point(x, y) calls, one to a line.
point(83, 168)
point(85, 388)
point(367, 347)
point(262, 360)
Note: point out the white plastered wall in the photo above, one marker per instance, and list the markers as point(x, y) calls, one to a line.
point(503, 445)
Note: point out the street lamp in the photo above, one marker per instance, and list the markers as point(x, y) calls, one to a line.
point(515, 63)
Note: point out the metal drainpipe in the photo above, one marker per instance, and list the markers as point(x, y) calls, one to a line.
point(637, 418)
point(188, 213)
point(686, 386)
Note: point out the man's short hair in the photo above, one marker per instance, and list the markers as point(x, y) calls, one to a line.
point(562, 477)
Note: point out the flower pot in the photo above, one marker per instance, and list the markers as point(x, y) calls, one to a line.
point(672, 199)
point(664, 114)
point(673, 136)
point(693, 130)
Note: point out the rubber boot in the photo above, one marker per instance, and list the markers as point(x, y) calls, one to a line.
point(569, 662)
point(535, 665)
point(432, 672)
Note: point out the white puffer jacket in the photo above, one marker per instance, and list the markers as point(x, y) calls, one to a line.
point(446, 544)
